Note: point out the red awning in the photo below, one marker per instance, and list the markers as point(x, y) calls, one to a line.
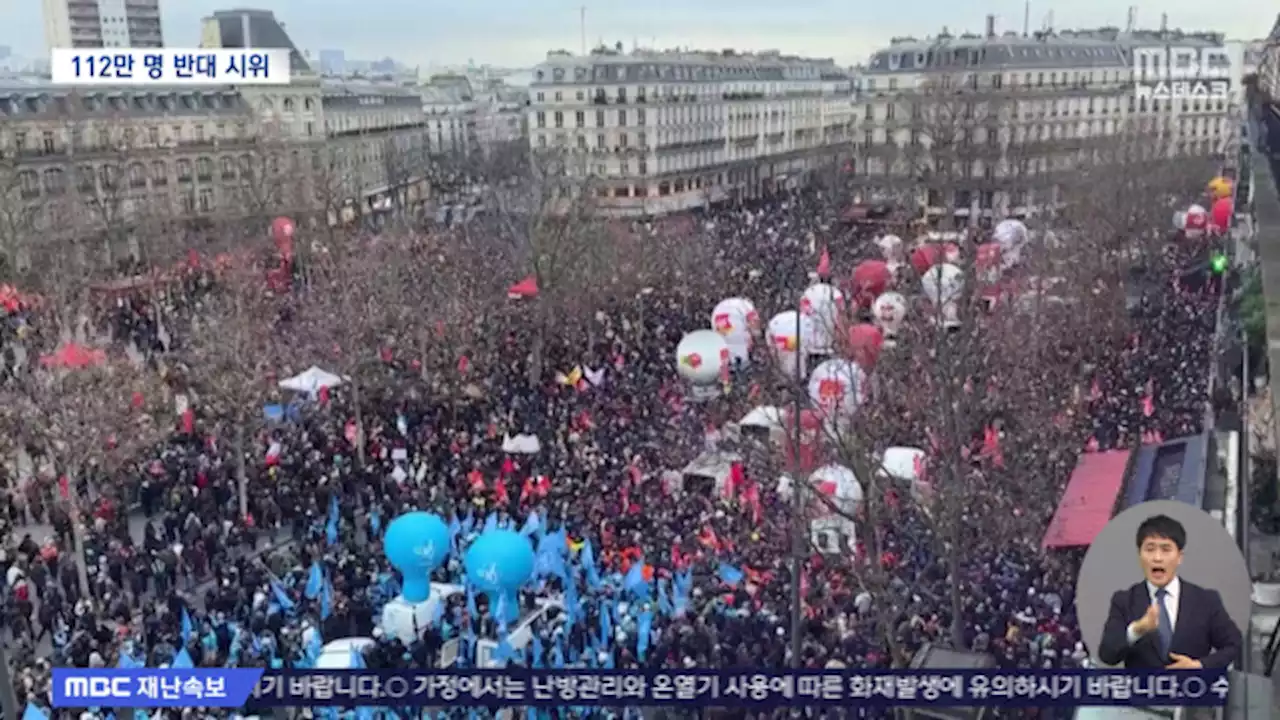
point(1088, 501)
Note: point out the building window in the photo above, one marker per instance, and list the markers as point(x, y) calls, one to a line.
point(199, 133)
point(30, 183)
point(541, 119)
point(206, 200)
point(580, 119)
point(184, 171)
point(228, 168)
point(54, 182)
point(188, 202)
point(599, 118)
point(84, 178)
point(159, 173)
point(600, 141)
point(153, 135)
point(108, 177)
point(47, 141)
point(137, 175)
point(559, 118)
point(622, 118)
point(204, 168)
point(642, 168)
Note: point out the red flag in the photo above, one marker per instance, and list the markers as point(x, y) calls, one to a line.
point(323, 397)
point(351, 432)
point(463, 364)
point(188, 421)
point(500, 492)
point(136, 401)
point(64, 488)
point(991, 446)
point(752, 498)
point(439, 328)
point(527, 490)
point(1149, 400)
point(824, 264)
point(1095, 393)
point(543, 485)
point(508, 467)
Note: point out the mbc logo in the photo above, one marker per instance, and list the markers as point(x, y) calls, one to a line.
point(96, 688)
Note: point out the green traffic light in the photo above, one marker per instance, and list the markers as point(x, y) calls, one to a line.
point(1219, 264)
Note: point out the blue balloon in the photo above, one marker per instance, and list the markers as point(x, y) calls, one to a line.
point(416, 543)
point(498, 563)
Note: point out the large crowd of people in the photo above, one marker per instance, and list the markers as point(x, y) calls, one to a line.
point(605, 444)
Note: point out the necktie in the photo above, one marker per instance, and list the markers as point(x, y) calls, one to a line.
point(1166, 623)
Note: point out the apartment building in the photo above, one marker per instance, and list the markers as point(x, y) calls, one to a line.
point(465, 115)
point(663, 131)
point(1269, 62)
point(102, 23)
point(1019, 113)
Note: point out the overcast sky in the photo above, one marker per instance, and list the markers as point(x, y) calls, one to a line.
point(519, 32)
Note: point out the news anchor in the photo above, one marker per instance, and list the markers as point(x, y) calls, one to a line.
point(1165, 621)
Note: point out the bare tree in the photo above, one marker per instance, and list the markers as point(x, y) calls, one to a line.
point(235, 347)
point(334, 190)
point(263, 179)
point(549, 228)
point(18, 185)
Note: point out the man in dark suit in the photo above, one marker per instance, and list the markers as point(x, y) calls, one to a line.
point(1165, 621)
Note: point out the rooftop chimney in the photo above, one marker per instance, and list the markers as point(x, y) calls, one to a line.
point(991, 26)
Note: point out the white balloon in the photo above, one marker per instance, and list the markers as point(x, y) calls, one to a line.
point(824, 305)
point(840, 485)
point(889, 311)
point(702, 357)
point(891, 247)
point(907, 464)
point(735, 318)
point(943, 283)
point(1011, 233)
point(782, 331)
point(836, 387)
point(1197, 210)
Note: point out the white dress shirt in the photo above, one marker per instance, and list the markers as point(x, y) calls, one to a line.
point(1173, 592)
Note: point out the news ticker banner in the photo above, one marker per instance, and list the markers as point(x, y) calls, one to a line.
point(169, 66)
point(260, 689)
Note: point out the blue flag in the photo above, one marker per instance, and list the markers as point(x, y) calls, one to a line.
point(531, 525)
point(281, 597)
point(634, 582)
point(437, 614)
point(606, 626)
point(187, 628)
point(326, 600)
point(644, 626)
point(664, 602)
point(537, 651)
point(731, 575)
point(182, 661)
point(357, 659)
point(468, 523)
point(491, 522)
point(572, 606)
point(375, 521)
point(331, 525)
point(588, 560)
point(455, 529)
point(557, 652)
point(34, 712)
point(472, 610)
point(315, 581)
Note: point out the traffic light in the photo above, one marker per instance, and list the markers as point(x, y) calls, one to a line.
point(1218, 263)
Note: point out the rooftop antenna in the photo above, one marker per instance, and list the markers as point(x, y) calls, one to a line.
point(1164, 23)
point(1048, 25)
point(1133, 19)
point(582, 26)
point(1026, 18)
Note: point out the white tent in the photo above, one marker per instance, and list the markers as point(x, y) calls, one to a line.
point(311, 381)
point(521, 445)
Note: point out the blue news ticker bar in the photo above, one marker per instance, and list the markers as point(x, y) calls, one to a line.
point(255, 689)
